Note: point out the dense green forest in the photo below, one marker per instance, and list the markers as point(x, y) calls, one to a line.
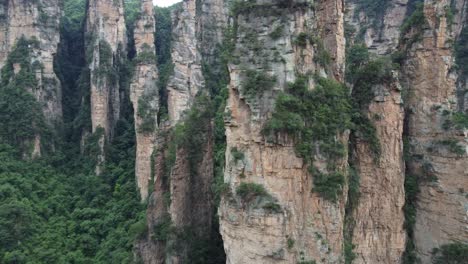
point(55, 209)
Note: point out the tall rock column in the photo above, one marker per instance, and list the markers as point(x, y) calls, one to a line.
point(36, 22)
point(106, 43)
point(439, 149)
point(183, 159)
point(269, 213)
point(144, 95)
point(187, 80)
point(377, 217)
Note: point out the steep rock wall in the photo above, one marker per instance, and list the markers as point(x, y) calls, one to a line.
point(378, 219)
point(442, 203)
point(292, 224)
point(144, 95)
point(181, 193)
point(378, 28)
point(106, 43)
point(187, 79)
point(305, 227)
point(378, 233)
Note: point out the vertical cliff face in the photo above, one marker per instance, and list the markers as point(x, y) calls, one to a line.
point(144, 95)
point(377, 218)
point(36, 22)
point(424, 39)
point(286, 200)
point(438, 147)
point(182, 196)
point(269, 213)
point(187, 79)
point(106, 43)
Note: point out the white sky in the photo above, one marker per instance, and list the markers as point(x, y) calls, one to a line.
point(165, 3)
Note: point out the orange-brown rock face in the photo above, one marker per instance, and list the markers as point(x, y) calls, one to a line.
point(35, 20)
point(144, 95)
point(187, 79)
point(442, 202)
point(378, 233)
point(106, 44)
point(183, 173)
point(107, 40)
point(305, 227)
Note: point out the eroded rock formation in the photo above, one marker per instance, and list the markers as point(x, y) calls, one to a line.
point(187, 80)
point(106, 44)
point(305, 226)
point(181, 193)
point(439, 152)
point(144, 95)
point(377, 218)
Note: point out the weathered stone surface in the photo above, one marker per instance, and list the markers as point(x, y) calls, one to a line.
point(187, 79)
point(182, 191)
point(149, 249)
point(378, 233)
point(105, 28)
point(380, 34)
point(37, 20)
point(144, 95)
point(378, 218)
point(442, 202)
point(250, 233)
point(106, 42)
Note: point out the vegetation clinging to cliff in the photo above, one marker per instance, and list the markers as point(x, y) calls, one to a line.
point(314, 119)
point(21, 116)
point(454, 253)
point(364, 74)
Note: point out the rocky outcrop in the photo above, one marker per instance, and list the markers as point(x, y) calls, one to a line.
point(378, 234)
point(331, 29)
point(439, 152)
point(187, 80)
point(36, 21)
point(181, 193)
point(212, 17)
point(378, 219)
point(106, 43)
point(144, 95)
point(273, 41)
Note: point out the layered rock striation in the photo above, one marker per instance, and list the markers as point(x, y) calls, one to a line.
point(438, 146)
point(283, 221)
point(181, 191)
